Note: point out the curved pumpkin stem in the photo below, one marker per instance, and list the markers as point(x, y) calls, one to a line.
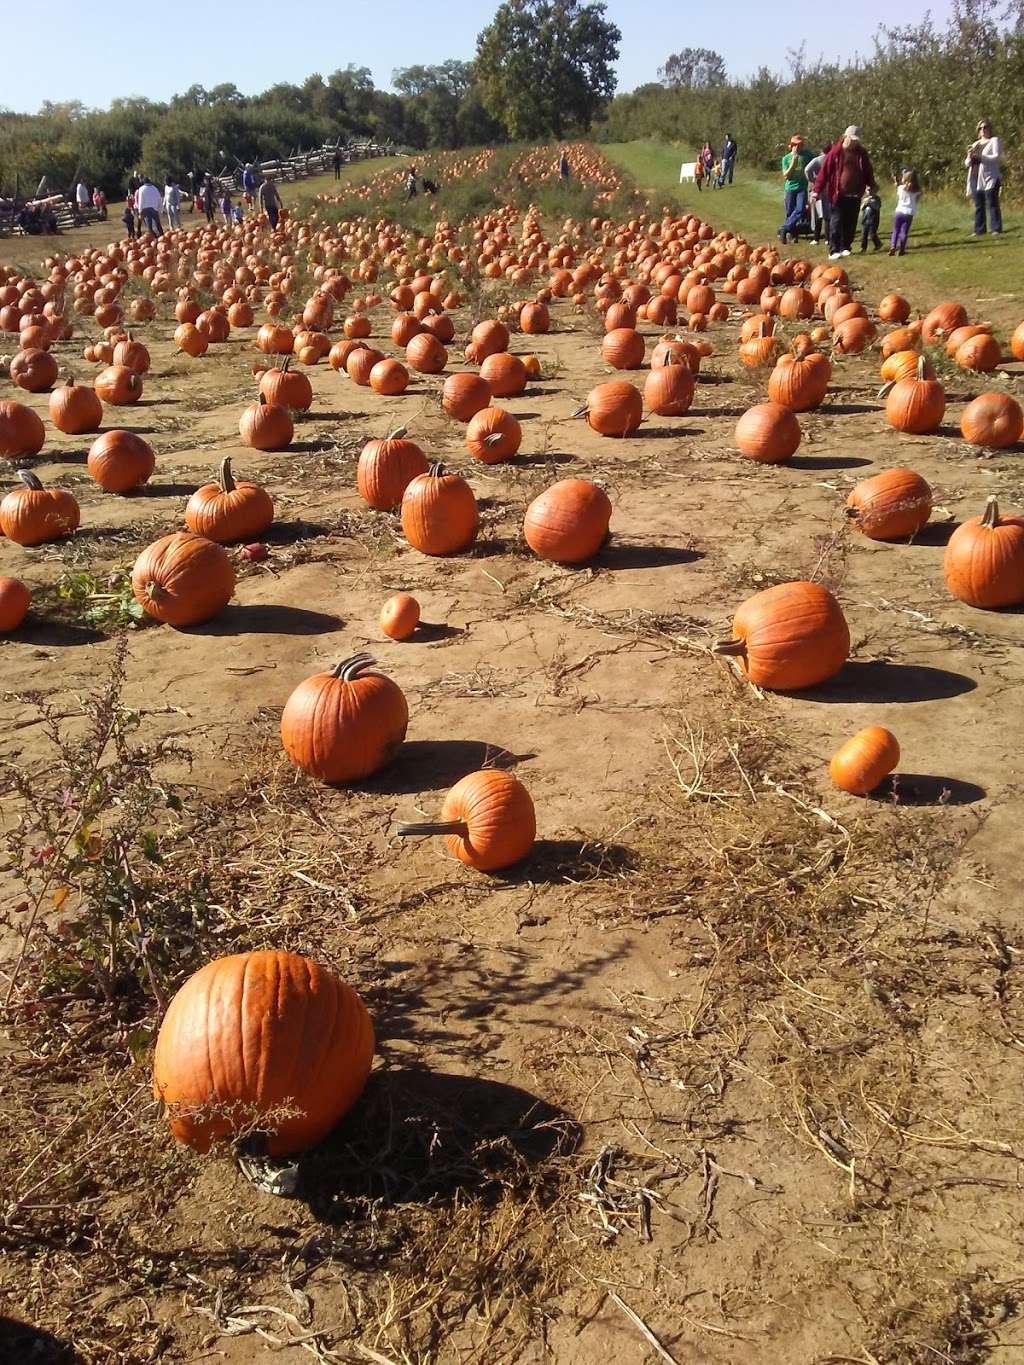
point(398, 434)
point(495, 439)
point(581, 411)
point(731, 647)
point(408, 830)
point(285, 364)
point(354, 667)
point(991, 514)
point(30, 480)
point(437, 471)
point(224, 478)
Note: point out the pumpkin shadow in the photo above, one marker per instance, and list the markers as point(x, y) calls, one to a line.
point(430, 764)
point(289, 532)
point(526, 461)
point(827, 461)
point(427, 1137)
point(162, 490)
point(924, 789)
point(272, 619)
point(932, 533)
point(845, 409)
point(732, 411)
point(430, 632)
point(22, 1344)
point(664, 433)
point(557, 862)
point(311, 447)
point(888, 682)
point(617, 554)
point(524, 416)
point(60, 634)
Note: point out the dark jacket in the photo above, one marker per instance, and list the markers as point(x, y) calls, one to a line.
point(831, 171)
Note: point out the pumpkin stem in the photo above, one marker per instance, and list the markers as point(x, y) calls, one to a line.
point(398, 434)
point(354, 667)
point(991, 514)
point(227, 483)
point(731, 647)
point(886, 389)
point(437, 471)
point(30, 480)
point(154, 591)
point(406, 831)
point(494, 439)
point(285, 363)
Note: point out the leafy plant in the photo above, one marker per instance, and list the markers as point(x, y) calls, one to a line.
point(109, 605)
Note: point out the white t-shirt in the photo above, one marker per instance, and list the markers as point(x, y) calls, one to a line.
point(906, 200)
point(82, 193)
point(148, 197)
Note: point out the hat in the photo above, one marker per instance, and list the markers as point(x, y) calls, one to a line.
point(796, 140)
point(853, 132)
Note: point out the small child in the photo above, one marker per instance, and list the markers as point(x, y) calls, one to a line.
point(908, 195)
point(128, 218)
point(238, 214)
point(869, 222)
point(698, 173)
point(717, 179)
point(226, 206)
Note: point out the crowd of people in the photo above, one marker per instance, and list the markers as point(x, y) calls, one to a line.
point(829, 192)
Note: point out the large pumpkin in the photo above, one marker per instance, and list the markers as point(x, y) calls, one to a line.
point(386, 468)
point(118, 385)
point(120, 461)
point(789, 637)
point(344, 725)
point(439, 513)
point(75, 409)
point(493, 435)
point(34, 370)
point(613, 409)
point(669, 388)
point(891, 505)
point(623, 349)
point(994, 420)
point(799, 382)
point(21, 430)
point(183, 579)
point(487, 819)
point(15, 600)
point(464, 395)
point(33, 514)
point(506, 374)
point(984, 560)
point(768, 432)
point(568, 522)
point(227, 510)
point(262, 1035)
point(266, 426)
point(287, 387)
point(916, 404)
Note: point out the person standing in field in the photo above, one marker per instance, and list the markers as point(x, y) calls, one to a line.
point(270, 201)
point(336, 162)
point(870, 215)
point(845, 176)
point(707, 159)
point(209, 197)
point(985, 178)
point(172, 203)
point(82, 196)
point(794, 187)
point(563, 167)
point(248, 185)
point(818, 204)
point(148, 201)
point(908, 196)
point(128, 218)
point(728, 158)
point(99, 202)
point(410, 183)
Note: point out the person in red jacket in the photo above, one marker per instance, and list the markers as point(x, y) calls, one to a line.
point(845, 177)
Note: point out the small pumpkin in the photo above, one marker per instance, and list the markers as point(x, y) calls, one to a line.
point(21, 430)
point(768, 433)
point(613, 409)
point(228, 511)
point(345, 725)
point(487, 819)
point(993, 420)
point(865, 760)
point(568, 522)
point(800, 382)
point(15, 600)
point(120, 461)
point(259, 1034)
point(506, 374)
point(916, 404)
point(75, 408)
point(386, 468)
point(399, 616)
point(493, 435)
point(118, 385)
point(890, 506)
point(183, 579)
point(464, 395)
point(33, 515)
point(439, 513)
point(984, 560)
point(266, 426)
point(789, 637)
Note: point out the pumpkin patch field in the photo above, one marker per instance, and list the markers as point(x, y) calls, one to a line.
point(510, 782)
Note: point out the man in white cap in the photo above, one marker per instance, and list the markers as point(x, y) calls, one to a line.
point(845, 177)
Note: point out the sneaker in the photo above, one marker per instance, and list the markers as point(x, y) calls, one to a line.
point(845, 252)
point(892, 251)
point(903, 250)
point(862, 250)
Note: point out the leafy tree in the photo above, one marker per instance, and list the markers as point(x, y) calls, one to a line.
point(694, 68)
point(546, 66)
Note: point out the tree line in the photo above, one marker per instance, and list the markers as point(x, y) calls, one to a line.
point(918, 98)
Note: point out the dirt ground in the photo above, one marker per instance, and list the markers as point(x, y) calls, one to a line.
point(730, 1070)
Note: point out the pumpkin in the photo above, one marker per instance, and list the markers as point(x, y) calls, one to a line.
point(487, 820)
point(183, 579)
point(287, 387)
point(623, 349)
point(118, 385)
point(21, 430)
point(266, 426)
point(261, 1034)
point(404, 328)
point(904, 365)
point(345, 725)
point(613, 409)
point(33, 514)
point(425, 354)
point(34, 370)
point(1017, 342)
point(386, 468)
point(360, 362)
point(980, 352)
point(337, 356)
point(768, 432)
point(132, 354)
point(275, 339)
point(763, 348)
point(464, 395)
point(865, 760)
point(893, 308)
point(75, 408)
point(191, 340)
point(15, 600)
point(799, 382)
point(493, 435)
point(487, 338)
point(959, 335)
point(890, 506)
point(916, 404)
point(942, 320)
point(389, 377)
point(534, 318)
point(853, 335)
point(902, 339)
point(228, 511)
point(668, 390)
point(676, 350)
point(994, 420)
point(789, 637)
point(120, 461)
point(439, 513)
point(984, 560)
point(506, 374)
point(568, 522)
point(399, 616)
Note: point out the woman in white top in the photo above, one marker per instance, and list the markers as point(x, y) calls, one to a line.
point(984, 177)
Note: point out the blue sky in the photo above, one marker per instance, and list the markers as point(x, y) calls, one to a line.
point(97, 49)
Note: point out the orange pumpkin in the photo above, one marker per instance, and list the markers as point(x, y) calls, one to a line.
point(984, 560)
point(15, 600)
point(493, 435)
point(623, 349)
point(994, 420)
point(34, 370)
point(227, 510)
point(287, 387)
point(768, 432)
point(345, 725)
point(613, 409)
point(800, 382)
point(386, 468)
point(118, 385)
point(183, 579)
point(75, 409)
point(488, 820)
point(789, 637)
point(917, 404)
point(389, 377)
point(439, 513)
point(865, 760)
point(890, 506)
point(266, 426)
point(668, 390)
point(464, 395)
point(399, 616)
point(33, 515)
point(21, 430)
point(505, 374)
point(120, 461)
point(568, 522)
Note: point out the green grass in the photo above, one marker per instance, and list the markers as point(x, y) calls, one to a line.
point(942, 261)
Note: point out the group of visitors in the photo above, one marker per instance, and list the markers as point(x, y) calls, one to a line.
point(830, 191)
point(145, 203)
point(86, 198)
point(413, 180)
point(717, 170)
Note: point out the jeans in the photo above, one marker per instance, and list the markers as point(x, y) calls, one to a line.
point(819, 217)
point(795, 204)
point(173, 216)
point(842, 222)
point(901, 230)
point(987, 199)
point(727, 169)
point(273, 214)
point(869, 233)
point(151, 220)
